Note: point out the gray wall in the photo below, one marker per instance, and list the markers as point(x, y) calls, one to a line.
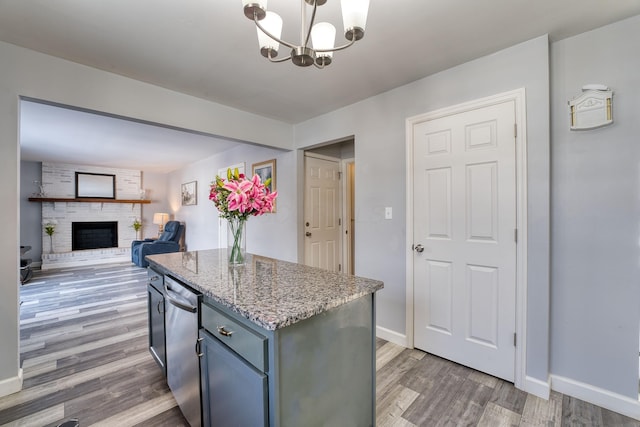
point(378, 124)
point(272, 234)
point(596, 213)
point(339, 150)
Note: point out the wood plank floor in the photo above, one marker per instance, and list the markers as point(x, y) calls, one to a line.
point(84, 355)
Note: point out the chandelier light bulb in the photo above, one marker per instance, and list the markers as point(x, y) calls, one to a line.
point(323, 37)
point(272, 22)
point(354, 18)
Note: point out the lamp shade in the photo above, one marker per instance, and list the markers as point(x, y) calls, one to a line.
point(160, 218)
point(323, 36)
point(273, 24)
point(354, 14)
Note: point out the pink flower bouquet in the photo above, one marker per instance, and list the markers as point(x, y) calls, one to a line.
point(237, 199)
point(241, 197)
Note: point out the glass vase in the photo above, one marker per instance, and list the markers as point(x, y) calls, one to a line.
point(236, 240)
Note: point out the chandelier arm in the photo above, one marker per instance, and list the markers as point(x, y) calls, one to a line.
point(335, 49)
point(279, 59)
point(271, 58)
point(289, 45)
point(313, 18)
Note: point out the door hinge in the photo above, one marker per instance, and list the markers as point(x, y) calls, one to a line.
point(515, 130)
point(339, 175)
point(514, 339)
point(339, 221)
point(515, 235)
point(339, 267)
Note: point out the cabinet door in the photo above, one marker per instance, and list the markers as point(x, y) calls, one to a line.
point(234, 393)
point(156, 327)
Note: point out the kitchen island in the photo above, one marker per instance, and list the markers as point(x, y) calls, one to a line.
point(279, 343)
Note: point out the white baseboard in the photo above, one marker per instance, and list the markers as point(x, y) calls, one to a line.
point(537, 387)
point(391, 336)
point(11, 385)
point(615, 402)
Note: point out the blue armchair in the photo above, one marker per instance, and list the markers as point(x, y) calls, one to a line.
point(169, 241)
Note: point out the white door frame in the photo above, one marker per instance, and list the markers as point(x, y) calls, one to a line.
point(518, 96)
point(346, 224)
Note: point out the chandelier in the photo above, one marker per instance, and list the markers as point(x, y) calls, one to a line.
point(322, 35)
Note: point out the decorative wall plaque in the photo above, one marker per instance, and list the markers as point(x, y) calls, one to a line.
point(592, 109)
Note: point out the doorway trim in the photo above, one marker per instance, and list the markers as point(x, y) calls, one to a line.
point(518, 96)
point(348, 212)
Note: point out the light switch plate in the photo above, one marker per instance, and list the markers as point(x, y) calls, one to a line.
point(388, 213)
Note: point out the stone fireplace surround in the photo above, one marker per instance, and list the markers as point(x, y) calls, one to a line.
point(58, 180)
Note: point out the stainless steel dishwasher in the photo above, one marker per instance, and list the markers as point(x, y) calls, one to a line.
point(183, 364)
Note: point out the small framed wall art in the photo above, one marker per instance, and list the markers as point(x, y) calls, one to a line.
point(190, 193)
point(266, 170)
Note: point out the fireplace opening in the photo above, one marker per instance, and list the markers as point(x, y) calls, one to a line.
point(94, 235)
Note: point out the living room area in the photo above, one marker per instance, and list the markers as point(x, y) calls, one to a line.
point(60, 144)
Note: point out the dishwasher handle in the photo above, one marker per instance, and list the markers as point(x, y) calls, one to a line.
point(176, 302)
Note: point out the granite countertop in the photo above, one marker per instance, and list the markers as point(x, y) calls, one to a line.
point(271, 293)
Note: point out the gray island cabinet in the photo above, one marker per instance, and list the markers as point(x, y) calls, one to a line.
point(279, 343)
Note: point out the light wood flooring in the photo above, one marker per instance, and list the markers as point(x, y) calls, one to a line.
point(84, 355)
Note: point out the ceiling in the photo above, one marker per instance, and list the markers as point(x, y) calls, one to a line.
point(62, 135)
point(208, 49)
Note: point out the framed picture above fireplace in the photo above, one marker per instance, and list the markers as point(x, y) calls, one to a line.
point(95, 185)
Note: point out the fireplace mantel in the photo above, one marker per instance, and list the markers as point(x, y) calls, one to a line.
point(88, 200)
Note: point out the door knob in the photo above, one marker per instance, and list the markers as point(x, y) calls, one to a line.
point(419, 248)
point(308, 234)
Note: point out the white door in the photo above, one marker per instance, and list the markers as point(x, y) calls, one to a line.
point(322, 209)
point(465, 219)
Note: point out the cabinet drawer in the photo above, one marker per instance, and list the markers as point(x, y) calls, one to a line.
point(247, 343)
